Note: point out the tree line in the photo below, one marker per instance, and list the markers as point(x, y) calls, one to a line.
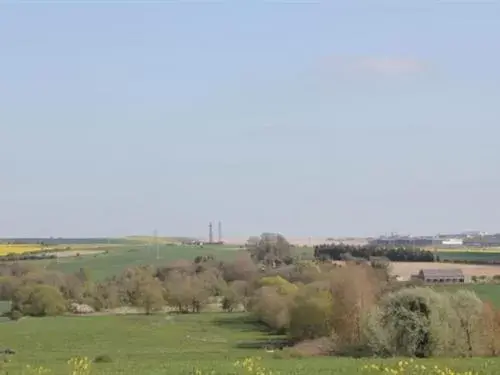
point(394, 254)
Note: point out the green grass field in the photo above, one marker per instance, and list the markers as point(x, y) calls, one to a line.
point(119, 258)
point(487, 292)
point(165, 344)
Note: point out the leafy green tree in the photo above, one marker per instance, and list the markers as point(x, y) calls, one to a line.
point(281, 285)
point(416, 322)
point(38, 300)
point(310, 315)
point(468, 309)
point(8, 286)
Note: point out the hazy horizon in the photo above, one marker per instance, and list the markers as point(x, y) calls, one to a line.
point(311, 119)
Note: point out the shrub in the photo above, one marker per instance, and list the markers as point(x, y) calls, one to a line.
point(15, 315)
point(103, 358)
point(412, 322)
point(310, 315)
point(272, 308)
point(282, 285)
point(38, 300)
point(313, 348)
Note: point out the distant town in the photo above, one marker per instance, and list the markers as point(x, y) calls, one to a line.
point(468, 239)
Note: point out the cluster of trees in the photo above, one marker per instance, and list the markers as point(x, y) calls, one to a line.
point(394, 254)
point(270, 249)
point(358, 310)
point(185, 286)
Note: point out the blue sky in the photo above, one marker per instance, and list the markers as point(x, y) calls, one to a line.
point(308, 118)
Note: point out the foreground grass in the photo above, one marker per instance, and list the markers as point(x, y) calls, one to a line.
point(169, 344)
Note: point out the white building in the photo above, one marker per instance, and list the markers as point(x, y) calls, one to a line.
point(453, 242)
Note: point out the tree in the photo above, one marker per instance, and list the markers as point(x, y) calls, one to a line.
point(310, 315)
point(490, 319)
point(272, 248)
point(237, 294)
point(148, 294)
point(282, 286)
point(468, 309)
point(106, 295)
point(272, 308)
point(414, 322)
point(38, 300)
point(8, 286)
point(355, 289)
point(242, 268)
point(187, 291)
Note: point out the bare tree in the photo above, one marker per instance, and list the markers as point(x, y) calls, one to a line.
point(490, 321)
point(354, 289)
point(242, 268)
point(148, 294)
point(468, 309)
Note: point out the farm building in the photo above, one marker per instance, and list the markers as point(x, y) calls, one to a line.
point(441, 276)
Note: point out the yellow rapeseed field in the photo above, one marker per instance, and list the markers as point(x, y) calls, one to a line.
point(17, 249)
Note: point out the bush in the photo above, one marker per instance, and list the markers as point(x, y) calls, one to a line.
point(421, 322)
point(103, 358)
point(272, 308)
point(38, 300)
point(310, 315)
point(411, 322)
point(15, 315)
point(283, 286)
point(313, 348)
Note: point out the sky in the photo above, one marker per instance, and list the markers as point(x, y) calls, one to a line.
point(309, 118)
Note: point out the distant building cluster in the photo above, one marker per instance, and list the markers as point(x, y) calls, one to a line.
point(468, 239)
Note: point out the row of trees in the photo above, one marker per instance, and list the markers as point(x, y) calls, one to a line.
point(394, 254)
point(185, 286)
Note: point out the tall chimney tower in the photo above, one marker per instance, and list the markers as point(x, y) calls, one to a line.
point(210, 233)
point(219, 232)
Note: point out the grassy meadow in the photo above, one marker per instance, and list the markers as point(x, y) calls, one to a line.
point(140, 251)
point(170, 344)
point(116, 259)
